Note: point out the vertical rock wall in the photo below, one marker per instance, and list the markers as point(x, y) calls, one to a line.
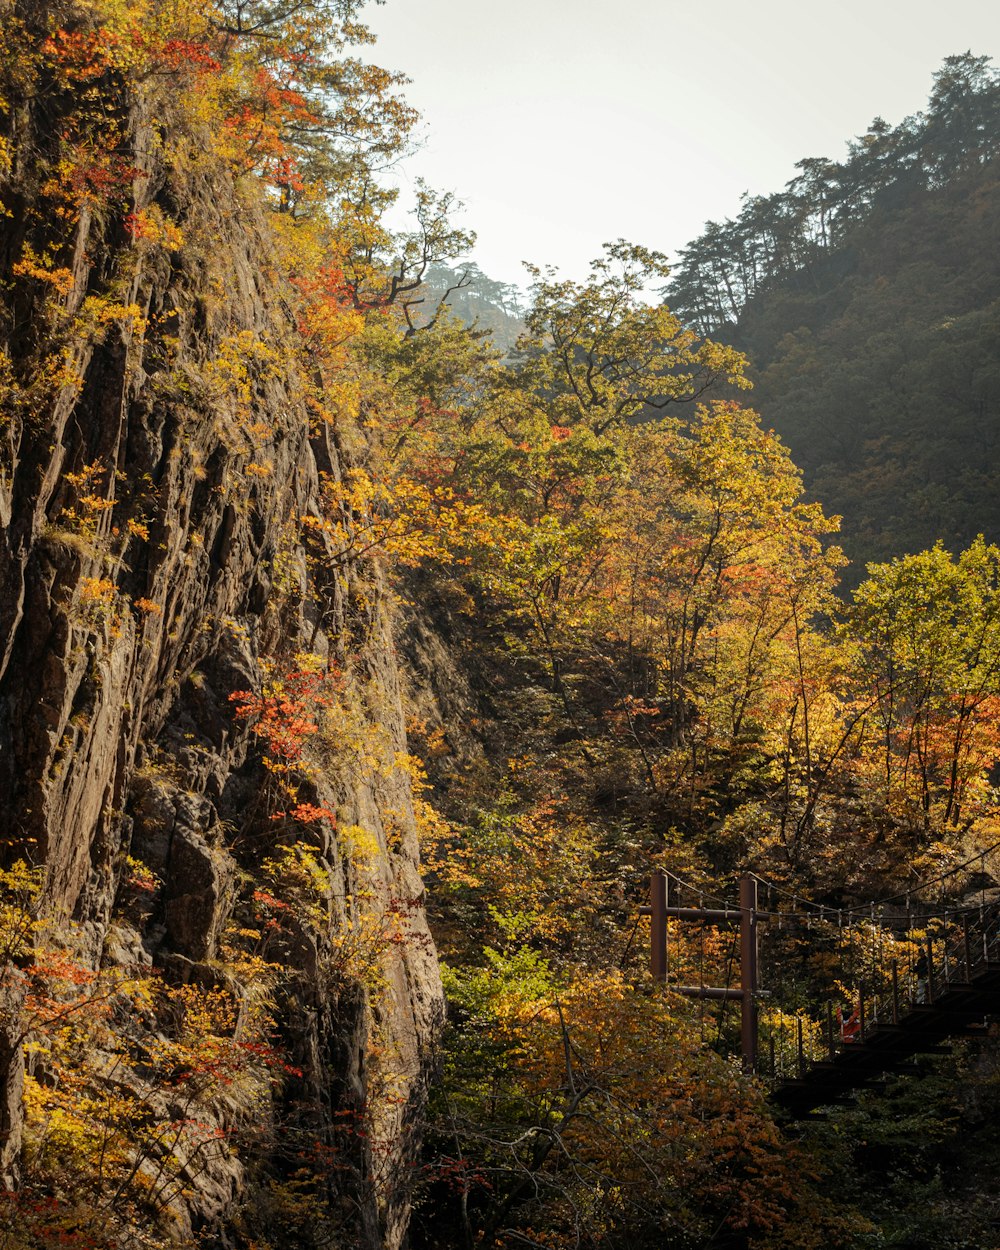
point(124, 627)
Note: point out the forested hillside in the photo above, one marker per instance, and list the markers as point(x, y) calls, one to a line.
point(358, 666)
point(867, 296)
point(476, 300)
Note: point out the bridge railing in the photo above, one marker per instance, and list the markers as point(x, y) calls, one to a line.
point(905, 963)
point(811, 981)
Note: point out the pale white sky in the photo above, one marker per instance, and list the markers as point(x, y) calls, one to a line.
point(566, 123)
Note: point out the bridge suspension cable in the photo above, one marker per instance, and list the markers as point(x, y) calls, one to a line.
point(804, 908)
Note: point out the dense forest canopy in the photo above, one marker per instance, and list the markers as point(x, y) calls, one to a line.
point(270, 484)
point(865, 294)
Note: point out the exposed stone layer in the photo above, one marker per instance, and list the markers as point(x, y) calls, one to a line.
point(116, 732)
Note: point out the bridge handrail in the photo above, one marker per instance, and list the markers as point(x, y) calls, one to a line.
point(951, 960)
point(886, 960)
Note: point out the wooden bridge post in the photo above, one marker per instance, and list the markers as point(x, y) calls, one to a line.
point(929, 993)
point(658, 925)
point(748, 971)
point(967, 948)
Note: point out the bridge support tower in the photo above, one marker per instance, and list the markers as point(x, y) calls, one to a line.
point(663, 895)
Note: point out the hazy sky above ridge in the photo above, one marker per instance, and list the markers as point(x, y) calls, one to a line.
point(565, 123)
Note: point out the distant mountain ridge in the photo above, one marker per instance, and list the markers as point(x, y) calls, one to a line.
point(477, 299)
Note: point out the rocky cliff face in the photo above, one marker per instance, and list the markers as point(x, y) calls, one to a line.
point(158, 454)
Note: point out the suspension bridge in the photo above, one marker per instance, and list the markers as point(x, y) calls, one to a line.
point(832, 1000)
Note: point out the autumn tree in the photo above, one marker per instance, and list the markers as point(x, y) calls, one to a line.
point(657, 565)
point(926, 633)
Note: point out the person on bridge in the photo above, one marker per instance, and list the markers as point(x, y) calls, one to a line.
point(850, 1029)
point(921, 969)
